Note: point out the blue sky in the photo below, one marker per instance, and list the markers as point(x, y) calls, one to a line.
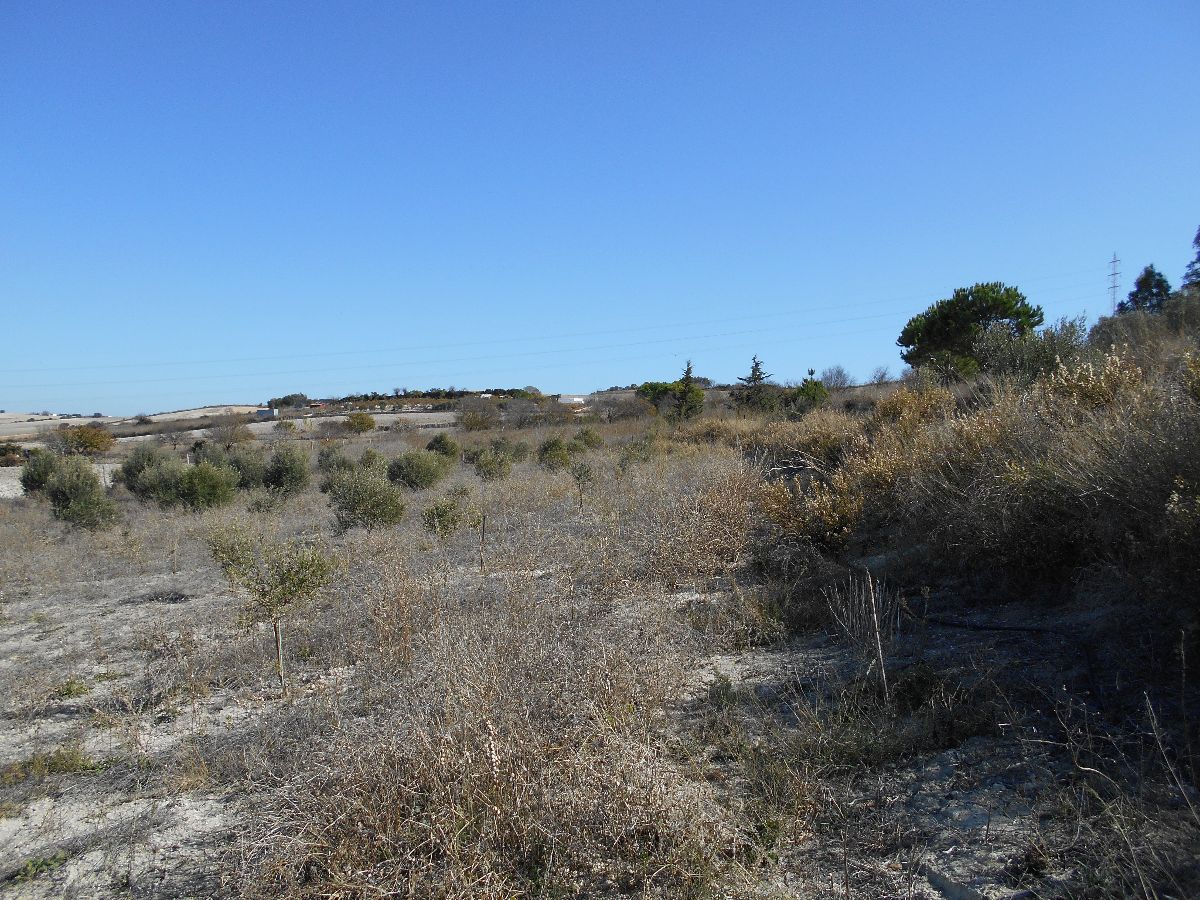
point(222, 202)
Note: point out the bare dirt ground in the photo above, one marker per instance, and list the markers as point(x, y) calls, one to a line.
point(79, 664)
point(100, 667)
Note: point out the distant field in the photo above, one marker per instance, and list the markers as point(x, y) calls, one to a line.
point(415, 419)
point(17, 425)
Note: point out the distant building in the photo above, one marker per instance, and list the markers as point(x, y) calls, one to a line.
point(266, 413)
point(572, 399)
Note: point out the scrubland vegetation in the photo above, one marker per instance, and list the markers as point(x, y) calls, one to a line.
point(919, 638)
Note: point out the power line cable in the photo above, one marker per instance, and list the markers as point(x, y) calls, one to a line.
point(564, 336)
point(410, 362)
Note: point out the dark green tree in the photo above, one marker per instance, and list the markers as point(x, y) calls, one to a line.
point(689, 396)
point(805, 396)
point(756, 392)
point(1149, 293)
point(1191, 275)
point(945, 333)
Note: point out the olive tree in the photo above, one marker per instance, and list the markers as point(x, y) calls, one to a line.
point(77, 496)
point(273, 575)
point(490, 466)
point(230, 434)
point(583, 475)
point(89, 440)
point(364, 498)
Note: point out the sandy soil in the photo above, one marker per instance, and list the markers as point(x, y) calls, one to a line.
point(123, 833)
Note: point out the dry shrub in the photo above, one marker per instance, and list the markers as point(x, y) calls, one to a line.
point(90, 440)
point(685, 518)
point(514, 749)
point(1031, 485)
point(1092, 386)
point(1082, 470)
point(859, 470)
point(465, 807)
point(724, 432)
point(864, 489)
point(1189, 375)
point(820, 439)
point(825, 514)
point(867, 612)
point(910, 408)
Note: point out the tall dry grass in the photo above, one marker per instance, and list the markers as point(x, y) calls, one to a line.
point(1095, 462)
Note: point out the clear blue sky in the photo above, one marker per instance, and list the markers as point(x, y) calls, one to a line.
point(221, 202)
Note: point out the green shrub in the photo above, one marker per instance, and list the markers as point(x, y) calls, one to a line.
point(77, 496)
point(11, 454)
point(640, 450)
point(517, 451)
point(419, 469)
point(492, 466)
point(805, 396)
point(285, 426)
point(442, 518)
point(250, 462)
point(360, 422)
point(330, 459)
point(372, 459)
point(363, 498)
point(38, 469)
point(1025, 357)
point(204, 485)
point(209, 452)
point(160, 481)
point(554, 454)
point(275, 575)
point(583, 475)
point(288, 470)
point(143, 457)
point(445, 445)
point(589, 438)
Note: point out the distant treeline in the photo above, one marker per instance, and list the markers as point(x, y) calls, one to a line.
point(297, 400)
